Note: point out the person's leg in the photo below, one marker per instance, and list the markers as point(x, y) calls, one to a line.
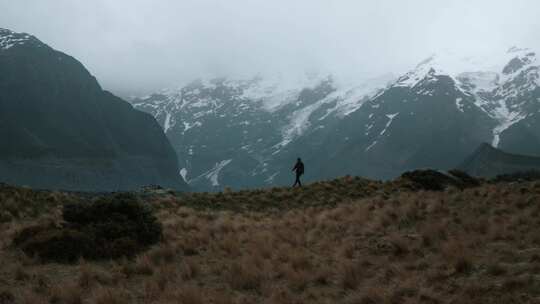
point(297, 180)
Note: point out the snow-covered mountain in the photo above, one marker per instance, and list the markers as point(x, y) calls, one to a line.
point(248, 132)
point(8, 39)
point(499, 84)
point(229, 132)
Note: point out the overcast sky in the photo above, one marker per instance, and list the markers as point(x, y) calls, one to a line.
point(136, 46)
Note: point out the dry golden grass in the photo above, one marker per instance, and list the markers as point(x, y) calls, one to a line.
point(479, 245)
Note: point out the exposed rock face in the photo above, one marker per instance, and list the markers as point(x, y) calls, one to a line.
point(61, 130)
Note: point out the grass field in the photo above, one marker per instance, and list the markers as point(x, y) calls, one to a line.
point(349, 240)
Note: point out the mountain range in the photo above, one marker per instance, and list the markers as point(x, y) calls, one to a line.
point(61, 130)
point(245, 133)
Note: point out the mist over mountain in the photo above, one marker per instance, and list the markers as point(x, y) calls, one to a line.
point(247, 132)
point(138, 47)
point(255, 151)
point(353, 88)
point(65, 131)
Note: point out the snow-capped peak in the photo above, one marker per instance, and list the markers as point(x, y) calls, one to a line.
point(275, 91)
point(521, 59)
point(9, 39)
point(520, 74)
point(517, 50)
point(444, 63)
point(482, 65)
point(493, 80)
point(270, 93)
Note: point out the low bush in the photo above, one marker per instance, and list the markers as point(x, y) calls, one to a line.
point(111, 227)
point(51, 243)
point(465, 179)
point(531, 175)
point(428, 180)
point(433, 180)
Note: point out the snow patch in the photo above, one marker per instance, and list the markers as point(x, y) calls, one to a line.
point(188, 126)
point(275, 91)
point(167, 124)
point(9, 39)
point(479, 82)
point(368, 127)
point(213, 175)
point(459, 105)
point(506, 119)
point(350, 97)
point(298, 124)
point(371, 146)
point(183, 174)
point(390, 119)
point(271, 178)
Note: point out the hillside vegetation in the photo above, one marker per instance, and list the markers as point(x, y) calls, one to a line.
point(349, 240)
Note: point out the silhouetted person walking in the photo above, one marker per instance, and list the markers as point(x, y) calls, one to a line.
point(299, 168)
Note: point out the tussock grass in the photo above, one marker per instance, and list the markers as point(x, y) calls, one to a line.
point(345, 241)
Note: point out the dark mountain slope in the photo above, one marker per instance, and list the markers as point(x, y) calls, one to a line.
point(406, 128)
point(248, 133)
point(487, 161)
point(61, 130)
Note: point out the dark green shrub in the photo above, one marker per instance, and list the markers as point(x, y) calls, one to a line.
point(120, 216)
point(429, 179)
point(437, 181)
point(465, 179)
point(111, 227)
point(531, 175)
point(56, 244)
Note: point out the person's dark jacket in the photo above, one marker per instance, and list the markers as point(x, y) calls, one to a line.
point(299, 168)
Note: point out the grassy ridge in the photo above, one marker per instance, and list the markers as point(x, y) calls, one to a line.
point(349, 240)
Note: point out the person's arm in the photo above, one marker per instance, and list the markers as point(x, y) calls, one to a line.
point(295, 167)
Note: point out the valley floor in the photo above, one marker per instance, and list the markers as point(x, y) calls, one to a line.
point(344, 241)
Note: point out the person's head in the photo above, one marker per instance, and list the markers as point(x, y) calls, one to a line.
point(298, 159)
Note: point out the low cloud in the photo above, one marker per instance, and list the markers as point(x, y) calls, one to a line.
point(138, 46)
